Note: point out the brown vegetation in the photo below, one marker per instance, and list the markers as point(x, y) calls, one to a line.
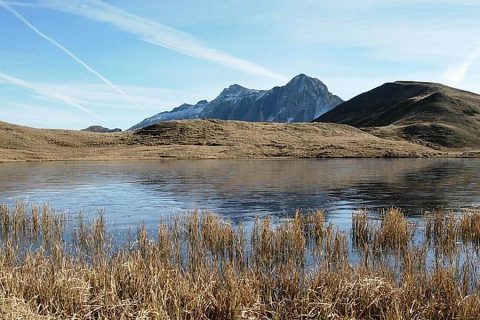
point(204, 139)
point(426, 113)
point(198, 266)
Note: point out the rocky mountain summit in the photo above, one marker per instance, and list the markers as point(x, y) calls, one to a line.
point(302, 99)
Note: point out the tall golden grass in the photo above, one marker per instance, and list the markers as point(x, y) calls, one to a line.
point(199, 266)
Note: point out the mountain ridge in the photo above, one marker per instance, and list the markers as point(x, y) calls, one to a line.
point(302, 99)
point(425, 112)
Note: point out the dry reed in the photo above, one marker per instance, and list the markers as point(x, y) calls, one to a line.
point(199, 266)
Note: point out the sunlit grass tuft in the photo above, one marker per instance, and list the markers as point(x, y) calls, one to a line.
point(200, 266)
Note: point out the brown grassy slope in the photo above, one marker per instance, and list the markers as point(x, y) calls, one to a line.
point(427, 113)
point(202, 139)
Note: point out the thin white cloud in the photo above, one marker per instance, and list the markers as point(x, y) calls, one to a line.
point(393, 31)
point(156, 34)
point(394, 40)
point(45, 92)
point(71, 55)
point(40, 116)
point(97, 96)
point(154, 99)
point(455, 75)
point(112, 110)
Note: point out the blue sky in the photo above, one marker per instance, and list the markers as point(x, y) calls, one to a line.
point(74, 63)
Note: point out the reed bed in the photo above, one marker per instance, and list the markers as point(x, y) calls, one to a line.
point(199, 266)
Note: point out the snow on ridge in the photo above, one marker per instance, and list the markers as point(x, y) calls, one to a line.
point(298, 100)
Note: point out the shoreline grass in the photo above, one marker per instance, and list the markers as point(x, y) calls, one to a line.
point(200, 266)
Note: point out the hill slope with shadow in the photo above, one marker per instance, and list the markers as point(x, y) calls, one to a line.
point(426, 113)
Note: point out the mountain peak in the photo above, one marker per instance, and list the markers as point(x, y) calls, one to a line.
point(202, 102)
point(301, 76)
point(302, 99)
point(236, 86)
point(235, 90)
point(302, 81)
point(430, 113)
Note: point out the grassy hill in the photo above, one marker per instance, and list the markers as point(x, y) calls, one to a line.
point(427, 113)
point(202, 139)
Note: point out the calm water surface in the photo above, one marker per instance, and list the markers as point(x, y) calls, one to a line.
point(146, 191)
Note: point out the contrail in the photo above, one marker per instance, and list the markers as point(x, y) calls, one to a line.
point(157, 34)
point(71, 55)
point(45, 93)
